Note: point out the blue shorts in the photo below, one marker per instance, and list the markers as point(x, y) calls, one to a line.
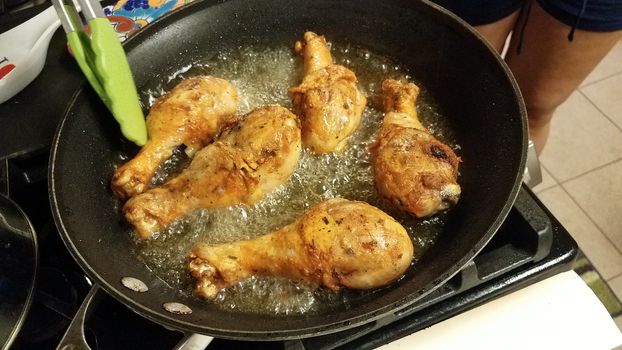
point(598, 15)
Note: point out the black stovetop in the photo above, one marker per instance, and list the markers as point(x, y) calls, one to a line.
point(530, 246)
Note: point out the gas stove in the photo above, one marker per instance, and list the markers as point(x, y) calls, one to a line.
point(530, 246)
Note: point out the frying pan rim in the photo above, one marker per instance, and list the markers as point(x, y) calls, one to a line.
point(163, 318)
point(33, 282)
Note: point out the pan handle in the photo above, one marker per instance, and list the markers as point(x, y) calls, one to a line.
point(74, 338)
point(193, 342)
point(533, 172)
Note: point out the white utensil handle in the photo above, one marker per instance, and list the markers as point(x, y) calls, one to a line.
point(25, 49)
point(194, 342)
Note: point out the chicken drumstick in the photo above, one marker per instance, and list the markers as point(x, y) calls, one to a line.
point(328, 102)
point(337, 243)
point(190, 114)
point(411, 167)
point(248, 160)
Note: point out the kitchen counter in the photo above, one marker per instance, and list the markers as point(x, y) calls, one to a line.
point(560, 312)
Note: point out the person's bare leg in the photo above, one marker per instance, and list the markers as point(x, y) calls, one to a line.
point(549, 67)
point(497, 32)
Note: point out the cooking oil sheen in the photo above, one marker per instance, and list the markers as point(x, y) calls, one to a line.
point(262, 76)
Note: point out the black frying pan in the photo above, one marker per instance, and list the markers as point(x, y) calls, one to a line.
point(473, 87)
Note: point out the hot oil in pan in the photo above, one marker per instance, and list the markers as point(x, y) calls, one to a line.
point(263, 76)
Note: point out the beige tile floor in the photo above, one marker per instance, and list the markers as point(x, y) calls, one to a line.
point(582, 168)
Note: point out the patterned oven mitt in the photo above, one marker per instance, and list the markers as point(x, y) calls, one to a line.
point(129, 16)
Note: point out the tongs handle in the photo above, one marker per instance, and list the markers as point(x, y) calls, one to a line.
point(80, 44)
point(102, 60)
point(114, 73)
point(91, 9)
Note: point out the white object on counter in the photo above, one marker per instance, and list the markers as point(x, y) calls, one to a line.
point(23, 51)
point(560, 312)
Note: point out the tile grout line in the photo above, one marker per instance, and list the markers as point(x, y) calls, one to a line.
point(548, 171)
point(591, 220)
point(587, 172)
point(613, 277)
point(600, 110)
point(547, 189)
point(552, 177)
point(599, 80)
point(558, 182)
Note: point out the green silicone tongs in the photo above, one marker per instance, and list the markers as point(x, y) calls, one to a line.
point(102, 60)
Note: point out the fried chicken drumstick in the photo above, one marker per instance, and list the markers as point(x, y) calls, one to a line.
point(191, 114)
point(248, 160)
point(328, 102)
point(337, 243)
point(412, 168)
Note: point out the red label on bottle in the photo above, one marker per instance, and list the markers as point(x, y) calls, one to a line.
point(6, 69)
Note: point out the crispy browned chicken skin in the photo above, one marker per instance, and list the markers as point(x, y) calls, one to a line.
point(337, 243)
point(327, 101)
point(411, 167)
point(247, 161)
point(190, 114)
